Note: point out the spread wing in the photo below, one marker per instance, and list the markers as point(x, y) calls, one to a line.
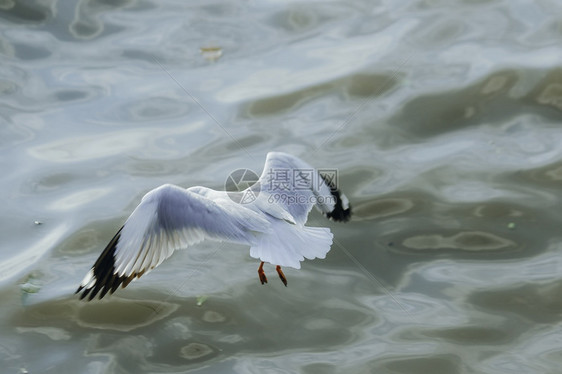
point(297, 187)
point(168, 218)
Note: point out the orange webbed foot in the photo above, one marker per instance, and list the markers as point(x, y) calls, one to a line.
point(261, 274)
point(281, 275)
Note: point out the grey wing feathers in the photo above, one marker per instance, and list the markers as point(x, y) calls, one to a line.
point(168, 218)
point(298, 187)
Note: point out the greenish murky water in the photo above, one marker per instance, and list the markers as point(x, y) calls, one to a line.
point(442, 117)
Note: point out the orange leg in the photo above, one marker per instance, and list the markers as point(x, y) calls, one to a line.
point(281, 275)
point(261, 274)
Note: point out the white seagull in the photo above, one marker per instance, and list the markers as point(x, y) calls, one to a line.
point(272, 223)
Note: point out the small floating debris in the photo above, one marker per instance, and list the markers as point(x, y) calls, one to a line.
point(28, 286)
point(201, 300)
point(511, 225)
point(211, 53)
point(38, 222)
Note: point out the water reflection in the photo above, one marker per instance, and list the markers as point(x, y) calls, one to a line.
point(19, 11)
point(88, 22)
point(443, 122)
point(358, 85)
point(381, 208)
point(466, 241)
point(532, 303)
point(85, 148)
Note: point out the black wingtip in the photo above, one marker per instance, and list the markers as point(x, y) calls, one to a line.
point(104, 273)
point(339, 214)
point(85, 293)
point(342, 208)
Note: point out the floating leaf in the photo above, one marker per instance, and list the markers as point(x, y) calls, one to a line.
point(29, 286)
point(201, 300)
point(211, 53)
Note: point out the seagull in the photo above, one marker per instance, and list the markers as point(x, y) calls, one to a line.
point(270, 219)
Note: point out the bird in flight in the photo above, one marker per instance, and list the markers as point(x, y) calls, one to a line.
point(272, 222)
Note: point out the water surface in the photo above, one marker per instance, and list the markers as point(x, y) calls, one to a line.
point(442, 117)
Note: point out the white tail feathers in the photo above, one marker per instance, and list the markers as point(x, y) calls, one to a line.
point(287, 244)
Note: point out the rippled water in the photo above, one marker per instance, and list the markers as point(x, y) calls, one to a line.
point(443, 118)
